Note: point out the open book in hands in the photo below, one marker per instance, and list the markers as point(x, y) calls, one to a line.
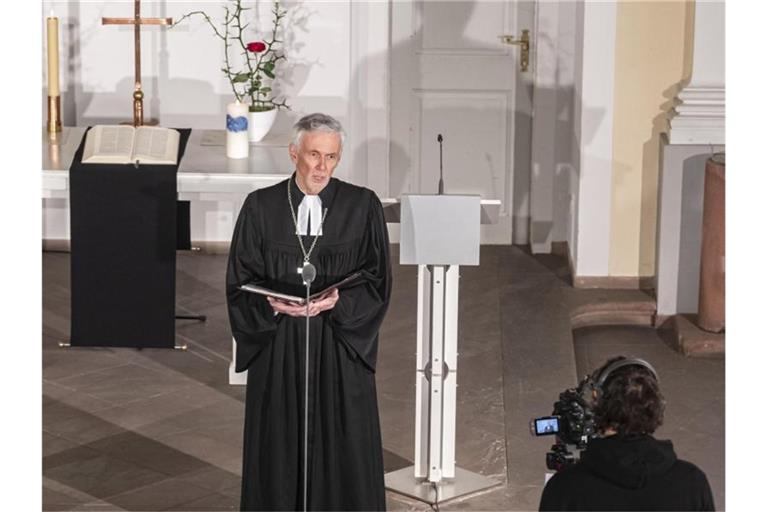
point(347, 282)
point(122, 144)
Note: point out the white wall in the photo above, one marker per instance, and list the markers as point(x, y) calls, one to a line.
point(596, 35)
point(181, 75)
point(553, 175)
point(337, 53)
point(566, 178)
point(572, 234)
point(338, 63)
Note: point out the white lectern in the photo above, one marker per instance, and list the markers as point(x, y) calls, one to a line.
point(438, 233)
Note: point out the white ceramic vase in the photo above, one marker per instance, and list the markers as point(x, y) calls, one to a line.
point(259, 124)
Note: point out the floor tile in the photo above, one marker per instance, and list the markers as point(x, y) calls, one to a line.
point(148, 453)
point(55, 500)
point(210, 503)
point(214, 479)
point(159, 495)
point(102, 476)
point(122, 384)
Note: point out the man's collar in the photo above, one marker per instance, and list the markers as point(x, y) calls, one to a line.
point(329, 192)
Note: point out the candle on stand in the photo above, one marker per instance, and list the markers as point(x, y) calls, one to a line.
point(54, 100)
point(53, 55)
point(237, 130)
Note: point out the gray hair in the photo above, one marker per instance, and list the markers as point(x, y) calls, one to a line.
point(316, 122)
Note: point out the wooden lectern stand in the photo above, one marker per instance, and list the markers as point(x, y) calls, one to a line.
point(438, 233)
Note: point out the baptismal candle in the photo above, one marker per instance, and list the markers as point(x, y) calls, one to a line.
point(53, 55)
point(237, 130)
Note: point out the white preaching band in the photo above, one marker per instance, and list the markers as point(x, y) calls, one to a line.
point(310, 206)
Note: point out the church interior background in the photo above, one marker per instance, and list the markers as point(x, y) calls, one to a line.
point(595, 152)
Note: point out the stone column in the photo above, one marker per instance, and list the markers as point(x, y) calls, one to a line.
point(700, 117)
point(696, 130)
point(712, 276)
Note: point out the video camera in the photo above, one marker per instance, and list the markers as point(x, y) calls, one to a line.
point(572, 424)
point(573, 421)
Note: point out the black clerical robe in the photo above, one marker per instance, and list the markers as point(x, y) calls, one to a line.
point(345, 467)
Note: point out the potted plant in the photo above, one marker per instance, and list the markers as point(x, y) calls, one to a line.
point(250, 64)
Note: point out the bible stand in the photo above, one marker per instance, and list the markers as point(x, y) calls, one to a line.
point(438, 233)
point(114, 206)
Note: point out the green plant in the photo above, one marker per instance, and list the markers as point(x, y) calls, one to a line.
point(253, 75)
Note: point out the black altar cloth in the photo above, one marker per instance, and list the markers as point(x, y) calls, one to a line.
point(123, 252)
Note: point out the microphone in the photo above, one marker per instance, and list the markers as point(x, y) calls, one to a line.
point(308, 273)
point(440, 186)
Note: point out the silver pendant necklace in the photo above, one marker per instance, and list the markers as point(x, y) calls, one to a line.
point(308, 271)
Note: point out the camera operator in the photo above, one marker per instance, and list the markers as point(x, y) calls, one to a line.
point(625, 468)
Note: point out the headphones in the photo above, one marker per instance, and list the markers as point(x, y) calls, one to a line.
point(596, 384)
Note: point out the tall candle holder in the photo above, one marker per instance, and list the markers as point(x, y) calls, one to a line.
point(54, 97)
point(54, 115)
point(54, 151)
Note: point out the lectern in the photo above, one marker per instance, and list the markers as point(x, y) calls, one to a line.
point(438, 233)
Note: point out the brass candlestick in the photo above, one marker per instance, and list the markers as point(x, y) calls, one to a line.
point(54, 151)
point(54, 115)
point(138, 106)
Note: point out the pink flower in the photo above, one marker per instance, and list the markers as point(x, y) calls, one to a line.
point(256, 47)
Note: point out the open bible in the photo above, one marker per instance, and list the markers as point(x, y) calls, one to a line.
point(349, 281)
point(105, 144)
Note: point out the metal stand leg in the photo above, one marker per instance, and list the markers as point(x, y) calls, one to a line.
point(63, 344)
point(434, 475)
point(201, 318)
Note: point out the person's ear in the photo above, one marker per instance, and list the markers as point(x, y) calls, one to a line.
point(292, 150)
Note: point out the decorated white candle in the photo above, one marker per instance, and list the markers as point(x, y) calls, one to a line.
point(53, 55)
point(237, 130)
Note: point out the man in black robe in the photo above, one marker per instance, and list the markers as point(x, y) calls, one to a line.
point(341, 228)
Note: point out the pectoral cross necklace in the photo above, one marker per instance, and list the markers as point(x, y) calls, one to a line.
point(308, 269)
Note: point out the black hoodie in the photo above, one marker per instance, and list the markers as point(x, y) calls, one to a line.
point(628, 473)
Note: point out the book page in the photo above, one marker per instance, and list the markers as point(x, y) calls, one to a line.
point(155, 145)
point(261, 290)
point(347, 282)
point(108, 144)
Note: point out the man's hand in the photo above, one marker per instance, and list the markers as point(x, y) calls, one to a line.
point(317, 306)
point(285, 307)
point(324, 302)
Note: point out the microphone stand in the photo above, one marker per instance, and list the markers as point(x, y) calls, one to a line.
point(440, 187)
point(308, 274)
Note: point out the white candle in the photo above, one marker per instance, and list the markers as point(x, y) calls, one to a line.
point(53, 55)
point(237, 130)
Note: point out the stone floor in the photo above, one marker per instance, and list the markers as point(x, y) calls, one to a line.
point(152, 429)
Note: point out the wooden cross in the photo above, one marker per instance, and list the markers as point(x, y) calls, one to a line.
point(137, 21)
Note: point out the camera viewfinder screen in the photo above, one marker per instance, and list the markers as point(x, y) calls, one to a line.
point(547, 426)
